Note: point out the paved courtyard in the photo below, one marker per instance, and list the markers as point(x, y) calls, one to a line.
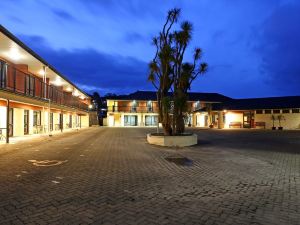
point(112, 176)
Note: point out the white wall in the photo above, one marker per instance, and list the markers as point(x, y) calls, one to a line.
point(232, 117)
point(84, 121)
point(111, 120)
point(30, 124)
point(3, 119)
point(18, 122)
point(291, 121)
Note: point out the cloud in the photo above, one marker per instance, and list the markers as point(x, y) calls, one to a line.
point(62, 14)
point(94, 70)
point(279, 48)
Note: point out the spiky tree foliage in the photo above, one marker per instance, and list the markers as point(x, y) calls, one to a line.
point(168, 72)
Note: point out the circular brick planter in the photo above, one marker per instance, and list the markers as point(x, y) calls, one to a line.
point(172, 141)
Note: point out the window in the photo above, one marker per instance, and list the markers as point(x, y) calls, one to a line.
point(130, 120)
point(3, 73)
point(295, 110)
point(197, 105)
point(276, 111)
point(268, 111)
point(285, 111)
point(36, 118)
point(151, 120)
point(259, 111)
point(149, 106)
point(134, 105)
point(29, 84)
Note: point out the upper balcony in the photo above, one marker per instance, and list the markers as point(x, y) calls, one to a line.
point(24, 72)
point(132, 109)
point(21, 83)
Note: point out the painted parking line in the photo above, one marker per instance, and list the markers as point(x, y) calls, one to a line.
point(47, 163)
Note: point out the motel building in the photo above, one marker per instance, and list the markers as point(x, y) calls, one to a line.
point(140, 109)
point(34, 97)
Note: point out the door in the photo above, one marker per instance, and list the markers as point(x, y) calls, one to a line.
point(130, 120)
point(26, 122)
point(51, 121)
point(11, 122)
point(151, 120)
point(70, 121)
point(61, 121)
point(247, 117)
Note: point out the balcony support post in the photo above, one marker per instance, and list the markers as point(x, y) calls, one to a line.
point(7, 121)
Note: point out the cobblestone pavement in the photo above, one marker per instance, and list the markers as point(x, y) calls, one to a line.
point(112, 176)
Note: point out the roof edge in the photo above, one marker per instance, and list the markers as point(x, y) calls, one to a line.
point(35, 55)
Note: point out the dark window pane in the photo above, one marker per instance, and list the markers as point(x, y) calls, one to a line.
point(268, 111)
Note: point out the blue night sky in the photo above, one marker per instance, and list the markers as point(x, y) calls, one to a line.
point(252, 46)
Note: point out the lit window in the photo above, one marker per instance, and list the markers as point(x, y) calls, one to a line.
point(268, 111)
point(285, 111)
point(295, 110)
point(259, 111)
point(276, 111)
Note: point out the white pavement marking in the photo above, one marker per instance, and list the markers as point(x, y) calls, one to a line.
point(55, 182)
point(24, 171)
point(60, 178)
point(47, 162)
point(18, 175)
point(81, 155)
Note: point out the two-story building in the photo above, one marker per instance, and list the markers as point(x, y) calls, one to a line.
point(140, 109)
point(34, 97)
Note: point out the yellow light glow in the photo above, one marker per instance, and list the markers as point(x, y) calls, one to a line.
point(69, 89)
point(76, 93)
point(90, 106)
point(14, 53)
point(58, 82)
point(81, 97)
point(41, 72)
point(232, 117)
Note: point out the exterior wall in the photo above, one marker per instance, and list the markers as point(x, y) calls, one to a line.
point(199, 120)
point(117, 119)
point(233, 117)
point(84, 121)
point(30, 121)
point(3, 120)
point(18, 126)
point(18, 119)
point(291, 120)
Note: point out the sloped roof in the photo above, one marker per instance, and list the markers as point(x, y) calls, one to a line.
point(38, 57)
point(151, 95)
point(260, 103)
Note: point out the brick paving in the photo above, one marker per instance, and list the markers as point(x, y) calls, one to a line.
point(112, 176)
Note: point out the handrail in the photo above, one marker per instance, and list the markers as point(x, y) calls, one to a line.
point(17, 81)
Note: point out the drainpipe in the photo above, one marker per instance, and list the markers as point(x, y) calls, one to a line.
point(7, 122)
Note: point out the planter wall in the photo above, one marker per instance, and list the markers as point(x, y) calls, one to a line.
point(172, 141)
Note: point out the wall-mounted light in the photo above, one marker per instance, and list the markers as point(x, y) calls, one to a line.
point(76, 93)
point(41, 72)
point(69, 89)
point(57, 82)
point(14, 53)
point(90, 106)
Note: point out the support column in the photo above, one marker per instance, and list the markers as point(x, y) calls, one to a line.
point(7, 122)
point(220, 120)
